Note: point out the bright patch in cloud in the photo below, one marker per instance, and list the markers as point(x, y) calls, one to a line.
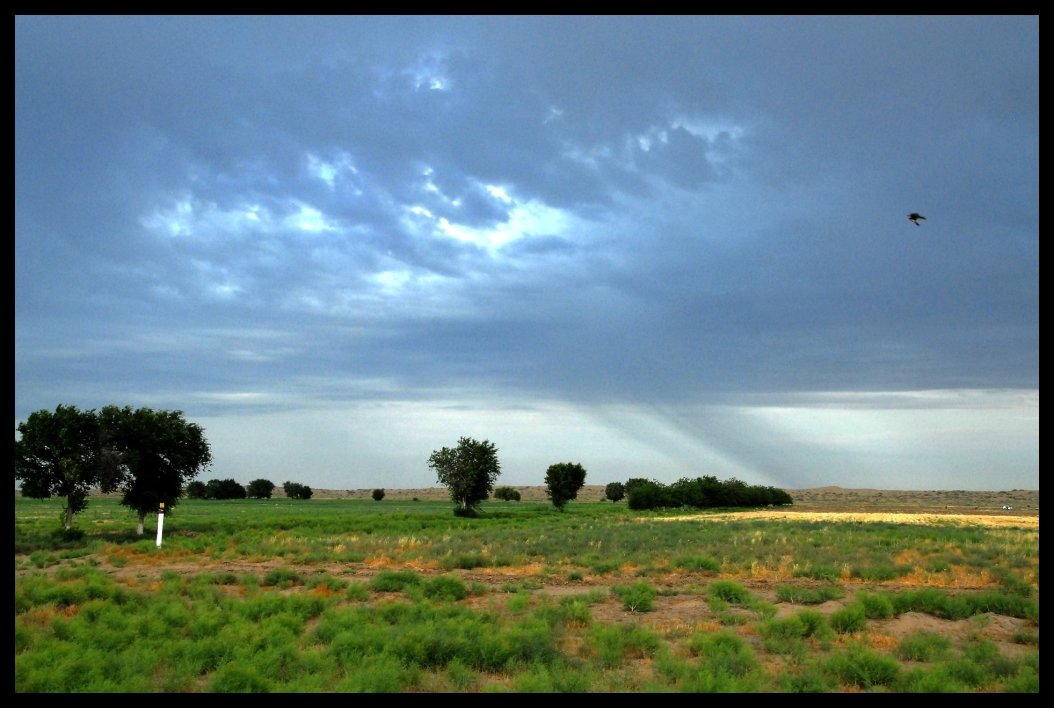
point(524, 219)
point(329, 171)
point(188, 218)
point(309, 219)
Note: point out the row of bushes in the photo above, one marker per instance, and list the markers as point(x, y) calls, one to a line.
point(699, 493)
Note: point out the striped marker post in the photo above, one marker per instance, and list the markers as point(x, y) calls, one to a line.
point(160, 522)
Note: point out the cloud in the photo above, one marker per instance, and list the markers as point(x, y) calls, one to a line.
point(272, 216)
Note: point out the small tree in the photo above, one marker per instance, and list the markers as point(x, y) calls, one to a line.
point(295, 490)
point(506, 494)
point(468, 471)
point(260, 489)
point(615, 491)
point(562, 482)
point(378, 494)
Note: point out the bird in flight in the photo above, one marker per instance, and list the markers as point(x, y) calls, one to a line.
point(914, 217)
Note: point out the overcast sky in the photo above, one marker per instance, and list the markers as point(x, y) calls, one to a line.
point(659, 247)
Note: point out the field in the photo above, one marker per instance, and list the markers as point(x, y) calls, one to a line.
point(845, 591)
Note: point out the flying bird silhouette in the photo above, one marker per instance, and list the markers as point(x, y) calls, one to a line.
point(914, 217)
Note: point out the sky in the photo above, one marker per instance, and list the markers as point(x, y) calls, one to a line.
point(659, 247)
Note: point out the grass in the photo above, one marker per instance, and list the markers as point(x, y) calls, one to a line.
point(354, 596)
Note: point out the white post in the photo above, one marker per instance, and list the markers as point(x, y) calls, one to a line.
point(160, 522)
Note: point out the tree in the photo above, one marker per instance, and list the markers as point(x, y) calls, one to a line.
point(615, 491)
point(295, 490)
point(378, 494)
point(562, 482)
point(468, 471)
point(160, 452)
point(646, 494)
point(224, 489)
point(63, 454)
point(195, 490)
point(506, 494)
point(260, 489)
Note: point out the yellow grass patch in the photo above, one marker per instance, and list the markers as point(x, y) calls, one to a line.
point(882, 642)
point(989, 520)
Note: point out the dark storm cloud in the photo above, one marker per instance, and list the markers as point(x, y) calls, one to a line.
point(600, 210)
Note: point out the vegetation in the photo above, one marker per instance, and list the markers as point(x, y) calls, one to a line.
point(378, 494)
point(468, 471)
point(701, 493)
point(157, 452)
point(59, 454)
point(335, 595)
point(507, 494)
point(295, 490)
point(615, 491)
point(148, 455)
point(259, 489)
point(224, 489)
point(562, 482)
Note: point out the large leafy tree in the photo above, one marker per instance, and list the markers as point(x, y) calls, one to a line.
point(160, 451)
point(260, 489)
point(468, 471)
point(64, 453)
point(562, 482)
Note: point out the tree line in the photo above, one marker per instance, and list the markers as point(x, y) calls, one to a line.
point(256, 489)
point(151, 458)
point(470, 470)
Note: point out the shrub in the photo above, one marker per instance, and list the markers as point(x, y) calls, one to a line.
point(850, 618)
point(698, 563)
point(378, 494)
point(876, 606)
point(445, 587)
point(507, 494)
point(394, 580)
point(638, 597)
point(864, 667)
point(728, 590)
point(923, 646)
point(723, 653)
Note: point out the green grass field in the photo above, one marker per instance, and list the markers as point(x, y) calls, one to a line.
point(350, 595)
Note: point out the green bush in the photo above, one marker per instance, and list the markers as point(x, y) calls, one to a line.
point(848, 619)
point(698, 563)
point(876, 605)
point(637, 597)
point(923, 645)
point(445, 587)
point(728, 590)
point(864, 667)
point(394, 580)
point(282, 577)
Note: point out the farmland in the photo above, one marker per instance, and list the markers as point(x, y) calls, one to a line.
point(844, 591)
